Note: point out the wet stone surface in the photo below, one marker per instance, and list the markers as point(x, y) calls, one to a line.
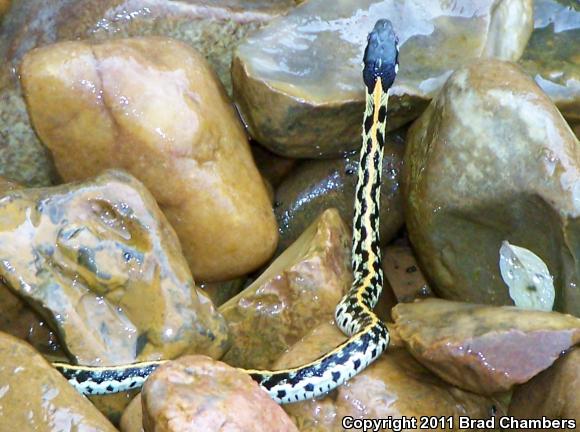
point(553, 393)
point(215, 28)
point(394, 385)
point(101, 264)
point(299, 290)
point(196, 393)
point(330, 183)
point(492, 160)
point(551, 56)
point(484, 349)
point(298, 82)
point(154, 107)
point(35, 397)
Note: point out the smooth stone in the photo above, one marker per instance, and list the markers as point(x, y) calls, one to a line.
point(132, 418)
point(36, 397)
point(551, 56)
point(196, 393)
point(299, 290)
point(395, 385)
point(154, 107)
point(553, 393)
point(316, 185)
point(101, 264)
point(215, 28)
point(113, 405)
point(492, 159)
point(298, 81)
point(483, 349)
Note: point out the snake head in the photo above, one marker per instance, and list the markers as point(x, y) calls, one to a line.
point(381, 58)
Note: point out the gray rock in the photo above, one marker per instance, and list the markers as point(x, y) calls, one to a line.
point(298, 80)
point(551, 56)
point(492, 159)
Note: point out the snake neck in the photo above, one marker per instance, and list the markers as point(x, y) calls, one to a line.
point(366, 252)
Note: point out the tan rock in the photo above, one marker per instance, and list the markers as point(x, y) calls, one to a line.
point(214, 28)
point(196, 393)
point(153, 106)
point(395, 385)
point(316, 185)
point(553, 393)
point(113, 405)
point(132, 418)
point(490, 160)
point(483, 349)
point(298, 291)
point(35, 397)
point(298, 82)
point(4, 6)
point(102, 265)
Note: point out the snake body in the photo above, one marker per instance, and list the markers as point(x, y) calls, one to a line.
point(369, 336)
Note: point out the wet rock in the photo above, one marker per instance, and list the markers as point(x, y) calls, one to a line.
point(132, 418)
point(299, 290)
point(102, 265)
point(330, 183)
point(19, 320)
point(22, 156)
point(490, 160)
point(553, 393)
point(196, 393)
point(395, 385)
point(273, 168)
point(403, 273)
point(551, 55)
point(484, 349)
point(36, 397)
point(113, 405)
point(298, 81)
point(214, 28)
point(220, 292)
point(153, 107)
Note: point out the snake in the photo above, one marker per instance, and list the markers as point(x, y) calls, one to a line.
point(368, 336)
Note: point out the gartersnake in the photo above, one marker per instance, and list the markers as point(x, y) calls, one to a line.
point(369, 337)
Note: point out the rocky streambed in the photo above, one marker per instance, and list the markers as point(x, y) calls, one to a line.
point(178, 183)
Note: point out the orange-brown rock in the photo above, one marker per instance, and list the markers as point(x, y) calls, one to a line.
point(4, 6)
point(35, 397)
point(298, 291)
point(483, 349)
point(394, 385)
point(132, 418)
point(403, 273)
point(154, 107)
point(553, 393)
point(196, 393)
point(102, 265)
